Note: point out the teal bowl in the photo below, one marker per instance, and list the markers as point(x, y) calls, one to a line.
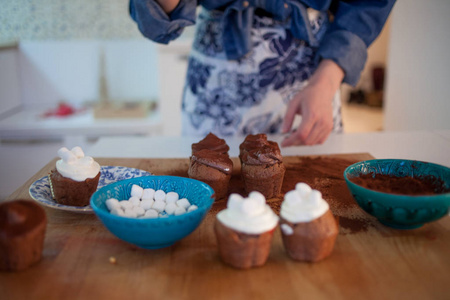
point(160, 232)
point(394, 210)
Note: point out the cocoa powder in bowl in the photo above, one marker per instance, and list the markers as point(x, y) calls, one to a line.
point(407, 185)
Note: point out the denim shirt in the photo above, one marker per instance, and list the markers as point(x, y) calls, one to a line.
point(355, 25)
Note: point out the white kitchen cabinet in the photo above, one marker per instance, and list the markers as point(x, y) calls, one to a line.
point(9, 78)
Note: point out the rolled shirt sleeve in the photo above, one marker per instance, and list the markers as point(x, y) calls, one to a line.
point(158, 26)
point(356, 25)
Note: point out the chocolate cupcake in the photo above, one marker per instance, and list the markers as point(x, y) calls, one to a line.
point(22, 232)
point(213, 168)
point(211, 164)
point(211, 142)
point(244, 231)
point(262, 167)
point(75, 177)
point(308, 227)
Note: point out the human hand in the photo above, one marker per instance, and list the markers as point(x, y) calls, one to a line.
point(314, 104)
point(168, 5)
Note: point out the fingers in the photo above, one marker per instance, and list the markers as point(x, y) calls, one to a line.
point(290, 116)
point(300, 135)
point(309, 133)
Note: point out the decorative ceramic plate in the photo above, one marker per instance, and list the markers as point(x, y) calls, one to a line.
point(40, 189)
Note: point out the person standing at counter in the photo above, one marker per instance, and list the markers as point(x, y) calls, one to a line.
point(256, 64)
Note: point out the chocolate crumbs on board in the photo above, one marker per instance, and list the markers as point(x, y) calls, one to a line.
point(321, 173)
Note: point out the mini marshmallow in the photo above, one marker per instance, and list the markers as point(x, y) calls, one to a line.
point(292, 197)
point(66, 155)
point(117, 212)
point(160, 195)
point(179, 211)
point(172, 197)
point(148, 194)
point(136, 191)
point(77, 151)
point(303, 189)
point(126, 204)
point(287, 230)
point(170, 208)
point(192, 208)
point(258, 197)
point(154, 204)
point(147, 203)
point(112, 203)
point(151, 213)
point(130, 213)
point(184, 203)
point(252, 207)
point(159, 205)
point(135, 200)
point(235, 201)
point(315, 197)
point(86, 161)
point(139, 211)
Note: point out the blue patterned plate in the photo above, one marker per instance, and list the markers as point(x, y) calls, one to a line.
point(40, 189)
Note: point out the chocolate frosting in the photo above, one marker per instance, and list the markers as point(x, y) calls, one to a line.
point(253, 141)
point(212, 142)
point(19, 216)
point(213, 159)
point(257, 150)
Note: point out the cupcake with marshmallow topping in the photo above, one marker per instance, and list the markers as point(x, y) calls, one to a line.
point(244, 230)
point(75, 177)
point(308, 227)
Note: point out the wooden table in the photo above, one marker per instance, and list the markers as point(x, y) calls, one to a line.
point(370, 261)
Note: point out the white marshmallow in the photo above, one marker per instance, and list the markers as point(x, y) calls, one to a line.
point(67, 155)
point(147, 203)
point(86, 161)
point(159, 205)
point(135, 200)
point(125, 204)
point(252, 207)
point(148, 194)
point(139, 211)
point(151, 213)
point(112, 203)
point(184, 203)
point(192, 208)
point(287, 230)
point(117, 212)
point(160, 195)
point(77, 151)
point(136, 191)
point(315, 197)
point(130, 213)
point(170, 208)
point(172, 197)
point(235, 201)
point(179, 211)
point(258, 198)
point(303, 188)
point(292, 197)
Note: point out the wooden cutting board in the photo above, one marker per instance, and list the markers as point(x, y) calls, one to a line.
point(369, 261)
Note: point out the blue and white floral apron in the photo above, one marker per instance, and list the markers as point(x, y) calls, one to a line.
point(250, 95)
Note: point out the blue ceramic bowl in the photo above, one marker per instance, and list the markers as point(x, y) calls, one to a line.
point(400, 211)
point(160, 232)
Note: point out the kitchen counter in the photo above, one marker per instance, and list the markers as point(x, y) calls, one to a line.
point(369, 261)
point(29, 123)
